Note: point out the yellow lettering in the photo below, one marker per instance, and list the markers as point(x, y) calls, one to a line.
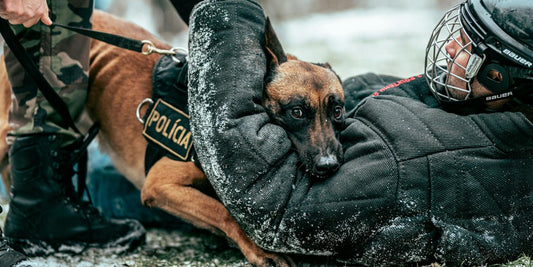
point(185, 140)
point(161, 123)
point(179, 128)
point(153, 117)
point(165, 134)
point(181, 137)
point(173, 128)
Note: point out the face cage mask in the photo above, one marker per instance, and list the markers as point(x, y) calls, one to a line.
point(439, 64)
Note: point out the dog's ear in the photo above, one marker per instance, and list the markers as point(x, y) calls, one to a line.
point(325, 65)
point(274, 52)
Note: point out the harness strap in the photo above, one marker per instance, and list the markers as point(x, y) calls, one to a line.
point(170, 105)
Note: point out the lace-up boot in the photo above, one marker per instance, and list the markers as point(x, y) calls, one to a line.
point(47, 215)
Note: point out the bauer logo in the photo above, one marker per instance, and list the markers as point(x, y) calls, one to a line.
point(517, 58)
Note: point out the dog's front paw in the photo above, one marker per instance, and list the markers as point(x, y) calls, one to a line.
point(266, 259)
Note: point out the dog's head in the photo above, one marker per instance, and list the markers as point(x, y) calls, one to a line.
point(307, 100)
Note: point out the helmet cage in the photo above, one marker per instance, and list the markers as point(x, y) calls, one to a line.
point(437, 58)
point(490, 49)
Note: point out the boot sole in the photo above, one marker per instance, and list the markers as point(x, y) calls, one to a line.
point(32, 247)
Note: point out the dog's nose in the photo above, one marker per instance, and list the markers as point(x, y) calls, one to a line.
point(327, 164)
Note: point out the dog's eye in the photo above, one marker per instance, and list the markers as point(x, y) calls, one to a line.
point(297, 113)
point(339, 111)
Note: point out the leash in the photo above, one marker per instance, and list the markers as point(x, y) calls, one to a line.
point(79, 153)
point(146, 47)
point(116, 40)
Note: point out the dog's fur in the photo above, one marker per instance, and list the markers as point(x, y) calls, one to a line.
point(121, 79)
point(308, 101)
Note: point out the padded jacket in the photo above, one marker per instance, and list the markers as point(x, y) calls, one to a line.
point(418, 184)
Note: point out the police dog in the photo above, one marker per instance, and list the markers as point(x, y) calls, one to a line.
point(306, 99)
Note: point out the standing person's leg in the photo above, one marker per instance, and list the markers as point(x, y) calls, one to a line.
point(46, 214)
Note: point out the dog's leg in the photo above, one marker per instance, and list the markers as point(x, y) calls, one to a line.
point(170, 186)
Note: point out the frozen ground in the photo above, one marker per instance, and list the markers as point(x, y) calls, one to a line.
point(183, 245)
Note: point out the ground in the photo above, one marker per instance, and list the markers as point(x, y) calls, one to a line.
point(184, 245)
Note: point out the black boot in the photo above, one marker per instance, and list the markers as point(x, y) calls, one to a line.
point(46, 215)
point(8, 256)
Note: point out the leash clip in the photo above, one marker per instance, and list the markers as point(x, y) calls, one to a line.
point(151, 48)
point(138, 112)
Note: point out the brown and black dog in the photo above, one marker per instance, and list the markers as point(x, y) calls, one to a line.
point(306, 99)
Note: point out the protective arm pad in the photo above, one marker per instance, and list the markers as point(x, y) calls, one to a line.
point(239, 149)
point(250, 162)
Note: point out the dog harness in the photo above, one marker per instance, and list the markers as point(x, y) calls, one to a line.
point(166, 122)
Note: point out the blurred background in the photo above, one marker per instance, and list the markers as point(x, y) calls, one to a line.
point(354, 36)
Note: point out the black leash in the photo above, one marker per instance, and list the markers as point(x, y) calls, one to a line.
point(116, 40)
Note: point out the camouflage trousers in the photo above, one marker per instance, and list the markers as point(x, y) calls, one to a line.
point(63, 58)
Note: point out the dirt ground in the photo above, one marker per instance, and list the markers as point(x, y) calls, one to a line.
point(183, 245)
point(178, 247)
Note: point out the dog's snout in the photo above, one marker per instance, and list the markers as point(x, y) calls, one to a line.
point(326, 164)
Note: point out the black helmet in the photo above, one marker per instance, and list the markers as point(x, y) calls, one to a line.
point(498, 39)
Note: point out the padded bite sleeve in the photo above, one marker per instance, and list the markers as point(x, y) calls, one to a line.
point(249, 160)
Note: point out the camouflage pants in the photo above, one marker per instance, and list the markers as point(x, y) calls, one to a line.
point(63, 58)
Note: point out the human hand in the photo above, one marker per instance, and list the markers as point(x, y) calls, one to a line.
point(25, 12)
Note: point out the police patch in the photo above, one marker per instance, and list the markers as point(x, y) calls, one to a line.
point(169, 127)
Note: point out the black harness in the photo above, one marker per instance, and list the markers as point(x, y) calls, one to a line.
point(166, 122)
